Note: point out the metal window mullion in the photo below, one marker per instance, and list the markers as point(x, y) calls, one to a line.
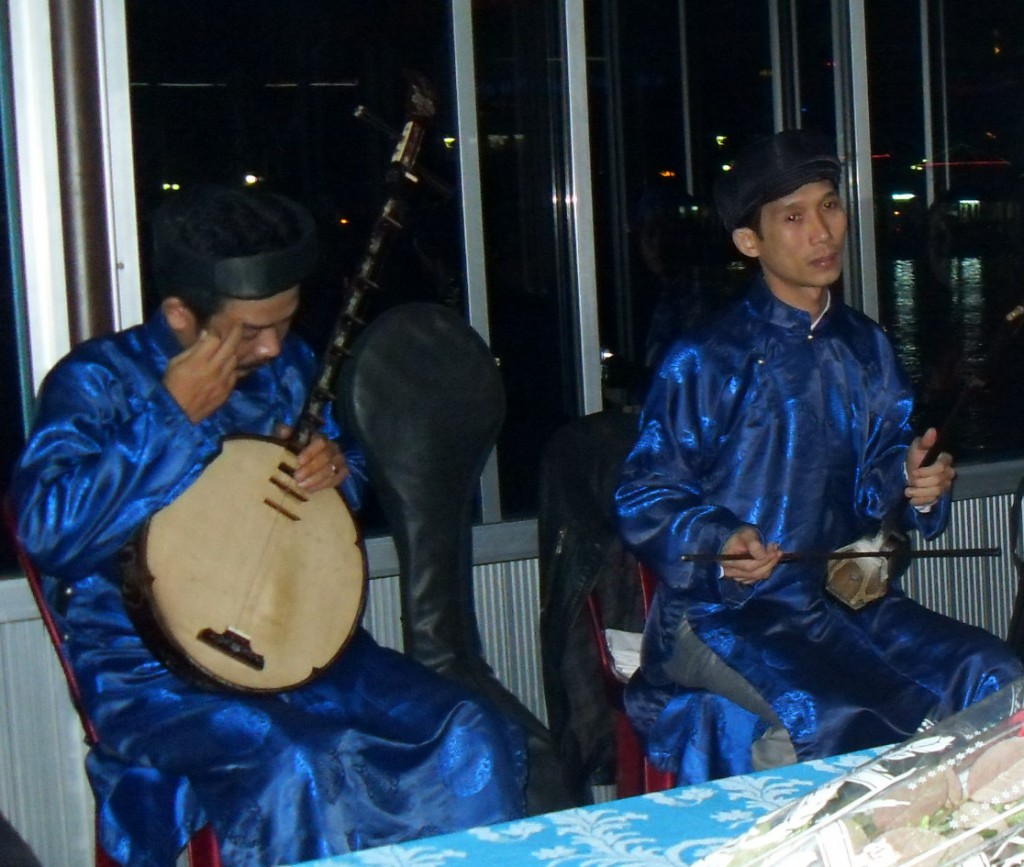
point(115, 121)
point(38, 186)
point(853, 130)
point(470, 189)
point(684, 71)
point(581, 210)
point(775, 47)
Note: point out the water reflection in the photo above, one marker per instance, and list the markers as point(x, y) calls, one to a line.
point(944, 316)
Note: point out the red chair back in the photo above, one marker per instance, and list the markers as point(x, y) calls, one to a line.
point(634, 772)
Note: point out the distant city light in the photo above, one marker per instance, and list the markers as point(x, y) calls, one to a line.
point(726, 167)
point(666, 173)
point(720, 140)
point(168, 187)
point(251, 180)
point(343, 221)
point(992, 163)
point(449, 141)
point(903, 197)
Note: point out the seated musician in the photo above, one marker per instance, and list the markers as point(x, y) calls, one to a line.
point(375, 750)
point(784, 427)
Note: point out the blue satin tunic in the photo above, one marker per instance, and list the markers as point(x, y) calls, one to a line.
point(802, 432)
point(376, 750)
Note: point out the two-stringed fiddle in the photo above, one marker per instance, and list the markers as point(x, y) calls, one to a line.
point(246, 582)
point(873, 563)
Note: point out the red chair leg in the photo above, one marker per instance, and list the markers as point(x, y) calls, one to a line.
point(629, 759)
point(656, 780)
point(203, 850)
point(102, 858)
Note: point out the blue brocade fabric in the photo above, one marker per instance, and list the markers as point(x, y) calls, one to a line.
point(693, 733)
point(377, 750)
point(758, 419)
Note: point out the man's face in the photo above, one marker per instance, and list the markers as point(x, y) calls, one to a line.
point(800, 243)
point(262, 326)
point(662, 240)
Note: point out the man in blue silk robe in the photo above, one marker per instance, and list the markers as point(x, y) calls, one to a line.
point(375, 750)
point(784, 426)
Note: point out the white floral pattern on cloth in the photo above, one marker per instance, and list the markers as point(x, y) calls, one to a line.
point(676, 828)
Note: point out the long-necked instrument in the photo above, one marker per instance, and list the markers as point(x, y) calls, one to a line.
point(859, 573)
point(246, 582)
point(1009, 326)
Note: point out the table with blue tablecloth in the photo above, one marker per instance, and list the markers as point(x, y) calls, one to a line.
point(677, 826)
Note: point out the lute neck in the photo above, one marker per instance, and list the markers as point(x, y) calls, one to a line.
point(400, 177)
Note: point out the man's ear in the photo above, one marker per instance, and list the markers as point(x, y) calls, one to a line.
point(746, 242)
point(180, 318)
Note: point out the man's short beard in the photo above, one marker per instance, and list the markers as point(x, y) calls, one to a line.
point(246, 369)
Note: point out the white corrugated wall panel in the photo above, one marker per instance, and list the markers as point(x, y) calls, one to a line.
point(43, 789)
point(978, 590)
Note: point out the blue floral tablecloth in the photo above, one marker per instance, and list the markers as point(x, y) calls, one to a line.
point(675, 827)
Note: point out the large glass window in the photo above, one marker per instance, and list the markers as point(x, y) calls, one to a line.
point(266, 93)
point(677, 89)
point(267, 90)
point(520, 69)
point(947, 127)
point(678, 86)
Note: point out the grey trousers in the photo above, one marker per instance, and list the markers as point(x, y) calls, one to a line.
point(695, 665)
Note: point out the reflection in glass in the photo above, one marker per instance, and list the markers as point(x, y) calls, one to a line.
point(519, 57)
point(946, 122)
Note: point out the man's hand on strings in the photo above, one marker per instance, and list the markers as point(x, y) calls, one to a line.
point(320, 465)
point(202, 377)
point(746, 542)
point(926, 484)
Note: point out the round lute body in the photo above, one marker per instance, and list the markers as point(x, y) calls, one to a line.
point(245, 581)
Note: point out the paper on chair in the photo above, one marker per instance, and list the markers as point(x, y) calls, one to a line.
point(625, 650)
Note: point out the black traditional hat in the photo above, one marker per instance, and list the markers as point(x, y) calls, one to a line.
point(771, 168)
point(239, 243)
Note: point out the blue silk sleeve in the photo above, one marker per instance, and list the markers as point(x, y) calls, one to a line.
point(106, 452)
point(110, 446)
point(663, 511)
point(882, 479)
